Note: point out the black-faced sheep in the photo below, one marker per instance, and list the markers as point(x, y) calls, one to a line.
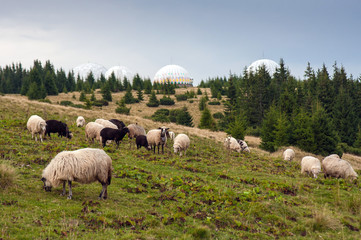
point(85, 165)
point(244, 146)
point(231, 143)
point(36, 125)
point(181, 143)
point(288, 154)
point(334, 166)
point(112, 134)
point(80, 121)
point(92, 130)
point(55, 126)
point(310, 165)
point(157, 137)
point(106, 123)
point(117, 123)
point(142, 141)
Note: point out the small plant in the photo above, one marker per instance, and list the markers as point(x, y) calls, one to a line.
point(181, 97)
point(153, 101)
point(166, 101)
point(122, 108)
point(214, 103)
point(218, 115)
point(7, 176)
point(66, 103)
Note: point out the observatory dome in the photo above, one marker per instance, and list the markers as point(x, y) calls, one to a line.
point(269, 65)
point(120, 72)
point(174, 74)
point(84, 69)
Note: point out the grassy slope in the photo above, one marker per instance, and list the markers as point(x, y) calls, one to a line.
point(209, 193)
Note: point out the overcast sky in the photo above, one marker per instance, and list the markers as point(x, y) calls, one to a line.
point(208, 38)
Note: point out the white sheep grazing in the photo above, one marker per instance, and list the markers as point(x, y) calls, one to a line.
point(231, 143)
point(181, 143)
point(244, 146)
point(336, 167)
point(171, 135)
point(80, 121)
point(36, 125)
point(106, 123)
point(85, 165)
point(92, 130)
point(288, 154)
point(157, 137)
point(310, 165)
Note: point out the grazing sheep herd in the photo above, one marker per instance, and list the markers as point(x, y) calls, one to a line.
point(91, 164)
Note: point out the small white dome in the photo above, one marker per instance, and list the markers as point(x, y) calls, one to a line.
point(120, 72)
point(174, 74)
point(83, 70)
point(267, 63)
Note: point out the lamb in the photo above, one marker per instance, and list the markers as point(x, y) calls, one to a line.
point(85, 165)
point(157, 137)
point(92, 130)
point(112, 134)
point(55, 126)
point(134, 131)
point(80, 121)
point(334, 166)
point(288, 154)
point(36, 125)
point(117, 123)
point(171, 135)
point(244, 146)
point(142, 141)
point(310, 165)
point(106, 123)
point(232, 144)
point(181, 143)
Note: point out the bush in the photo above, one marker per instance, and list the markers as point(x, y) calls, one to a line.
point(161, 115)
point(218, 115)
point(46, 100)
point(7, 176)
point(100, 103)
point(181, 97)
point(122, 110)
point(153, 101)
point(79, 106)
point(166, 101)
point(66, 103)
point(214, 103)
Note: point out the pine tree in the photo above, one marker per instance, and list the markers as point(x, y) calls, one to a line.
point(199, 91)
point(82, 97)
point(282, 131)
point(128, 97)
point(357, 143)
point(122, 108)
point(140, 95)
point(92, 97)
point(147, 86)
point(268, 130)
point(106, 93)
point(202, 103)
point(302, 134)
point(153, 101)
point(49, 82)
point(237, 128)
point(184, 118)
point(207, 121)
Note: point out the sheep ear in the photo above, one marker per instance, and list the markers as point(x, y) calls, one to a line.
point(43, 179)
point(159, 128)
point(166, 128)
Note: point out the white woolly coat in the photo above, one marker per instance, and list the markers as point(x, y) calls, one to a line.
point(85, 165)
point(80, 121)
point(92, 130)
point(244, 146)
point(232, 144)
point(310, 165)
point(171, 135)
point(106, 123)
point(288, 154)
point(135, 130)
point(181, 143)
point(36, 125)
point(336, 167)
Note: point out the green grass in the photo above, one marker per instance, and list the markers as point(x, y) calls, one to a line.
point(209, 194)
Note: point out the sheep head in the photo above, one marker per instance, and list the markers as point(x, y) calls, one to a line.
point(47, 185)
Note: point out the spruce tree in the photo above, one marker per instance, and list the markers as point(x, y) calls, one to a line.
point(49, 83)
point(302, 134)
point(202, 103)
point(128, 97)
point(153, 101)
point(82, 97)
point(122, 108)
point(237, 128)
point(282, 131)
point(207, 121)
point(140, 95)
point(184, 118)
point(106, 93)
point(268, 130)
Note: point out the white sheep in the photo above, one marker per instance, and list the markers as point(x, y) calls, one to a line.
point(85, 165)
point(171, 135)
point(80, 121)
point(310, 165)
point(92, 130)
point(181, 143)
point(288, 154)
point(106, 123)
point(231, 143)
point(36, 125)
point(157, 137)
point(334, 166)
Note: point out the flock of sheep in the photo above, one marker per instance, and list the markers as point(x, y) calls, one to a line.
point(91, 164)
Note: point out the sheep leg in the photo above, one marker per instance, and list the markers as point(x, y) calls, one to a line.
point(70, 192)
point(64, 191)
point(162, 148)
point(104, 192)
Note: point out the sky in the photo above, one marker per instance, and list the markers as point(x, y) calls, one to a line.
point(208, 38)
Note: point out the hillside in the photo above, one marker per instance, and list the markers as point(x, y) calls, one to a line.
point(209, 194)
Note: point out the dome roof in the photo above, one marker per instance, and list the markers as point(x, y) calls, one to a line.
point(84, 69)
point(269, 64)
point(120, 72)
point(174, 74)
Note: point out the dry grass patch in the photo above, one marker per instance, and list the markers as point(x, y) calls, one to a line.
point(7, 176)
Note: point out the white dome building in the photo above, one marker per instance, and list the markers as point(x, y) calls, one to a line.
point(120, 72)
point(267, 63)
point(83, 70)
point(174, 74)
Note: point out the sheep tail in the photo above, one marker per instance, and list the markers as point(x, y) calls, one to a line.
point(109, 176)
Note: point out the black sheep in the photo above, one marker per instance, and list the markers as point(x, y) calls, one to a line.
point(113, 134)
point(55, 126)
point(141, 140)
point(117, 123)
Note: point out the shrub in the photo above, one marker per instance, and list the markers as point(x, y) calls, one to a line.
point(181, 97)
point(79, 106)
point(47, 100)
point(161, 115)
point(214, 103)
point(122, 108)
point(218, 115)
point(153, 101)
point(100, 103)
point(66, 103)
point(166, 101)
point(7, 176)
